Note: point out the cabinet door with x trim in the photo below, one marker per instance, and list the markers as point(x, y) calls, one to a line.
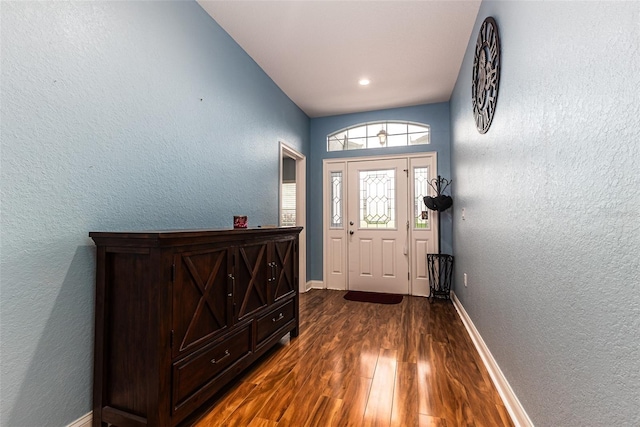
point(251, 274)
point(201, 297)
point(282, 263)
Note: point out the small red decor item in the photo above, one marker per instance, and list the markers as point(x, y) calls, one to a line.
point(240, 221)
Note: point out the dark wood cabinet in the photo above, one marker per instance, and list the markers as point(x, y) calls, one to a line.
point(179, 314)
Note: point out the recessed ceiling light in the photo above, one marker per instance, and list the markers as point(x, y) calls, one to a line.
point(364, 82)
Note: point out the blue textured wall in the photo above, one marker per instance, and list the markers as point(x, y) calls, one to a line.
point(436, 115)
point(115, 115)
point(551, 240)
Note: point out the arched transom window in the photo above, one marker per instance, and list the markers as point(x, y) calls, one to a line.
point(379, 134)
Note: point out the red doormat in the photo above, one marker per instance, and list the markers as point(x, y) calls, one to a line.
point(374, 297)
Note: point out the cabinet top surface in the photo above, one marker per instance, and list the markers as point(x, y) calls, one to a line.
point(159, 235)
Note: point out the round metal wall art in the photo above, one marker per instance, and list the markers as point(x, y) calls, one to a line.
point(486, 75)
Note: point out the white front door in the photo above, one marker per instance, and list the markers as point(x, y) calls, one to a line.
point(378, 225)
point(381, 252)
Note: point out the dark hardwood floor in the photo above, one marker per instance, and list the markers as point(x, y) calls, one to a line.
point(363, 364)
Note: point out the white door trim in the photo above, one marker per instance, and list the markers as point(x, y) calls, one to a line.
point(301, 206)
point(338, 278)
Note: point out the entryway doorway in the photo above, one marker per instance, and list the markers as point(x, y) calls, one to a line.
point(293, 200)
point(377, 230)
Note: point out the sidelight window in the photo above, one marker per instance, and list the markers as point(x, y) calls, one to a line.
point(336, 199)
point(421, 189)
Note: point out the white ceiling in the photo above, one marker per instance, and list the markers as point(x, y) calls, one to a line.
point(317, 50)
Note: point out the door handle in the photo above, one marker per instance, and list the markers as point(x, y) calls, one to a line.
point(351, 232)
point(233, 285)
point(273, 266)
point(224, 356)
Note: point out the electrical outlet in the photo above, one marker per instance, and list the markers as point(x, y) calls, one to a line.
point(464, 277)
point(463, 216)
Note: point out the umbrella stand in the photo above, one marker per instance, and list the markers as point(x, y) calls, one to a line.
point(439, 266)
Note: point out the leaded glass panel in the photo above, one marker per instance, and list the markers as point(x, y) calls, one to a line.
point(336, 200)
point(377, 199)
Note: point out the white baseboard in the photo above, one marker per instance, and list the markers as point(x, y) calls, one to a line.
point(84, 421)
point(516, 410)
point(314, 284)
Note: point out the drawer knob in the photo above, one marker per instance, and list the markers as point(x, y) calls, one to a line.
point(226, 354)
point(280, 317)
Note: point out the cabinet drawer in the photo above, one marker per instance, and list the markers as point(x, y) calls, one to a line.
point(192, 375)
point(274, 320)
